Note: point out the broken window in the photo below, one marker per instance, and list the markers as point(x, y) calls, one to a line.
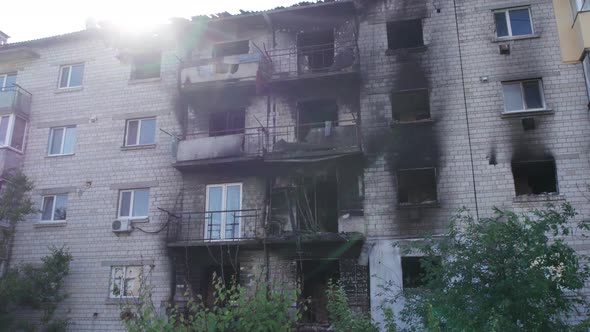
point(414, 270)
point(228, 122)
point(416, 186)
point(351, 191)
point(146, 66)
point(227, 275)
point(314, 276)
point(125, 281)
point(315, 51)
point(317, 204)
point(534, 177)
point(404, 34)
point(231, 48)
point(320, 114)
point(410, 105)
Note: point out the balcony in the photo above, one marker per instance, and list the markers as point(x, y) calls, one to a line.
point(15, 99)
point(216, 227)
point(278, 65)
point(9, 160)
point(270, 144)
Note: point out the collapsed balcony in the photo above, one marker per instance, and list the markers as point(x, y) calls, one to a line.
point(309, 140)
point(313, 57)
point(15, 99)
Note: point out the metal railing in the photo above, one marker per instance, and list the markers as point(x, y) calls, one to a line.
point(328, 137)
point(14, 98)
point(216, 226)
point(276, 64)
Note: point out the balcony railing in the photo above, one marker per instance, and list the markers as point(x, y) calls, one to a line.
point(276, 64)
point(216, 226)
point(15, 99)
point(330, 137)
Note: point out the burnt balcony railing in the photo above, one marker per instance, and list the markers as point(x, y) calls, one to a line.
point(216, 226)
point(329, 137)
point(323, 138)
point(276, 64)
point(15, 99)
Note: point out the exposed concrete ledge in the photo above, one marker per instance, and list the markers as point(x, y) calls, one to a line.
point(523, 75)
point(48, 224)
point(508, 4)
point(62, 123)
point(132, 185)
point(515, 38)
point(135, 115)
point(128, 262)
point(56, 190)
point(548, 198)
point(138, 147)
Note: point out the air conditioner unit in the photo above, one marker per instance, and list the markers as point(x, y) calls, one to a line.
point(122, 226)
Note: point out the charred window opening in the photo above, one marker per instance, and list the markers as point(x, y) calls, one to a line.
point(534, 177)
point(314, 276)
point(228, 122)
point(404, 34)
point(416, 186)
point(315, 51)
point(318, 208)
point(415, 271)
point(146, 66)
point(227, 275)
point(320, 114)
point(410, 105)
point(231, 48)
point(351, 191)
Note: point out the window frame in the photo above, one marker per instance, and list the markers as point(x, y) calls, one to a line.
point(525, 110)
point(578, 6)
point(4, 78)
point(134, 66)
point(53, 220)
point(139, 129)
point(223, 208)
point(61, 72)
point(63, 141)
point(131, 204)
point(122, 284)
point(10, 132)
point(411, 91)
point(435, 202)
point(507, 11)
point(586, 69)
point(388, 24)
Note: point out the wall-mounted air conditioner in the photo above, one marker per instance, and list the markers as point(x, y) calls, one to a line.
point(121, 226)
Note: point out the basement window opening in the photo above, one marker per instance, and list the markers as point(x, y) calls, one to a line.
point(405, 34)
point(314, 276)
point(534, 177)
point(231, 48)
point(315, 51)
point(230, 122)
point(410, 105)
point(417, 186)
point(316, 116)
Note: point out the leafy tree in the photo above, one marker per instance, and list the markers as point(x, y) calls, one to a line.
point(267, 309)
point(35, 287)
point(510, 272)
point(15, 205)
point(341, 316)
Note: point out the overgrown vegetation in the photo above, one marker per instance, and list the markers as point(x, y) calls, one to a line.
point(234, 309)
point(37, 288)
point(510, 272)
point(341, 316)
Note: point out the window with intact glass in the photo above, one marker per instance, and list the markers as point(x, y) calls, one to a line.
point(18, 133)
point(513, 22)
point(140, 132)
point(71, 76)
point(134, 203)
point(62, 141)
point(523, 95)
point(54, 207)
point(4, 122)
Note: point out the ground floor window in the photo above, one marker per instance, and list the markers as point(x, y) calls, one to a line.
point(125, 281)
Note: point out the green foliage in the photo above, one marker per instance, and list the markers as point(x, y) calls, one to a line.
point(234, 309)
point(36, 287)
point(15, 205)
point(511, 272)
point(341, 316)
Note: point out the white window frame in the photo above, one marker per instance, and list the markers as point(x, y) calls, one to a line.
point(3, 78)
point(63, 139)
point(122, 284)
point(579, 6)
point(509, 25)
point(132, 191)
point(61, 71)
point(52, 208)
point(223, 208)
point(525, 110)
point(10, 131)
point(586, 66)
point(139, 129)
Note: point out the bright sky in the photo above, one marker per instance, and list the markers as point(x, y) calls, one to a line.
point(31, 19)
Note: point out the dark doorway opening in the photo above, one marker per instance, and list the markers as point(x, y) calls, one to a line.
point(314, 277)
point(315, 51)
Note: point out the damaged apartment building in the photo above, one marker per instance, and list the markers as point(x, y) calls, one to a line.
point(294, 145)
